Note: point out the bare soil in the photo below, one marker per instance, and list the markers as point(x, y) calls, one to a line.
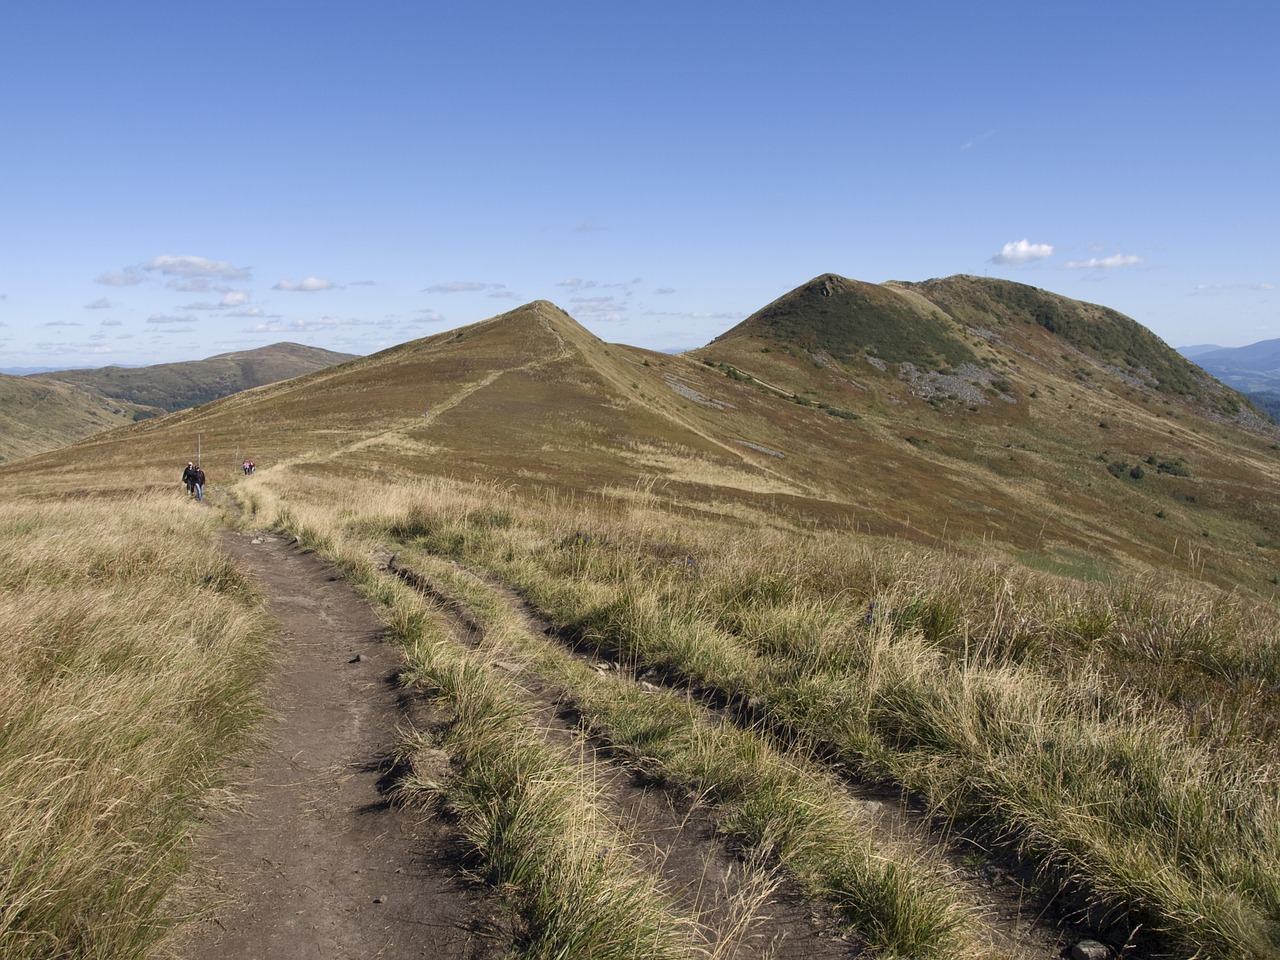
point(317, 863)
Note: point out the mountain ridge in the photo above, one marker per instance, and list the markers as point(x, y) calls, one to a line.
point(44, 411)
point(1062, 455)
point(175, 386)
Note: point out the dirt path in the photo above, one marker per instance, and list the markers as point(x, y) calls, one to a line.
point(318, 864)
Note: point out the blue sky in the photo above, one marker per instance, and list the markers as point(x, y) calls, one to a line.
point(177, 182)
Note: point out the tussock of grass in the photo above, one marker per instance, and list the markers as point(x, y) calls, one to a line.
point(774, 808)
point(132, 654)
point(533, 816)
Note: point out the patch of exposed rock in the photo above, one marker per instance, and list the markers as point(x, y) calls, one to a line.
point(689, 393)
point(968, 384)
point(762, 449)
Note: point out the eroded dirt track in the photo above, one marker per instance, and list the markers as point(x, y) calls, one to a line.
point(318, 863)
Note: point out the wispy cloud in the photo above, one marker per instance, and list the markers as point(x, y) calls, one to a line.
point(431, 316)
point(309, 285)
point(970, 144)
point(307, 326)
point(102, 303)
point(61, 323)
point(1023, 251)
point(128, 277)
point(596, 308)
point(665, 290)
point(589, 226)
point(463, 286)
point(188, 266)
point(578, 283)
point(1212, 288)
point(1105, 263)
point(168, 318)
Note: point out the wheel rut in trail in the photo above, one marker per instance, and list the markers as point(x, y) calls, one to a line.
point(1020, 922)
point(317, 863)
point(673, 836)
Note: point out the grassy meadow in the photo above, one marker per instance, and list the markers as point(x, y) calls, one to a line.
point(1118, 736)
point(132, 656)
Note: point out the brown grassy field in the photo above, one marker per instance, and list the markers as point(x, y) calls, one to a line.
point(1068, 662)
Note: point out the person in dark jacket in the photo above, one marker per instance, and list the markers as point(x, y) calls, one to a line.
point(198, 477)
point(189, 478)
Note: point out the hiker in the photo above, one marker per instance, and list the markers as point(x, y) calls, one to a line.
point(189, 478)
point(245, 467)
point(198, 477)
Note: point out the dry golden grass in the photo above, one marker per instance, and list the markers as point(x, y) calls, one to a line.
point(132, 650)
point(1042, 708)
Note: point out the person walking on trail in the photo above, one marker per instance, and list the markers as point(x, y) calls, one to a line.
point(198, 476)
point(189, 478)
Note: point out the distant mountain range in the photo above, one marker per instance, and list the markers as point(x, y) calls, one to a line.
point(46, 410)
point(1254, 370)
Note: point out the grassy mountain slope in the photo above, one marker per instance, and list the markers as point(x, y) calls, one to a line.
point(1068, 453)
point(36, 416)
point(1071, 433)
point(176, 386)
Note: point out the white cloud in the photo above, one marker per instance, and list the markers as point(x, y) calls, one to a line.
point(1105, 263)
point(60, 323)
point(234, 298)
point(431, 316)
point(166, 318)
point(1023, 251)
point(577, 283)
point(275, 325)
point(596, 308)
point(247, 312)
point(1210, 288)
point(128, 277)
point(969, 144)
point(462, 286)
point(112, 323)
point(102, 303)
point(188, 266)
point(309, 285)
point(504, 295)
point(665, 290)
